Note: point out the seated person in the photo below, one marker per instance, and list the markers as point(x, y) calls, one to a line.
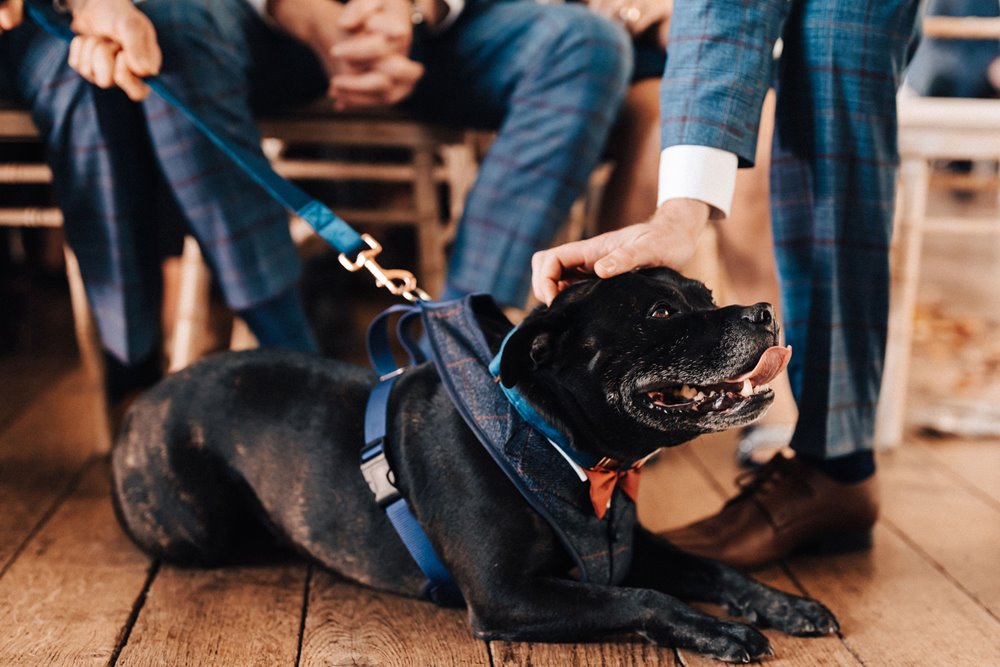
point(550, 77)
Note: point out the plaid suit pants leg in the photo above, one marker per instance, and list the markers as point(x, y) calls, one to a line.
point(833, 185)
point(115, 162)
point(219, 57)
point(551, 78)
point(104, 180)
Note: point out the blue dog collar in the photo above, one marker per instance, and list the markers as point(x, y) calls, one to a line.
point(556, 437)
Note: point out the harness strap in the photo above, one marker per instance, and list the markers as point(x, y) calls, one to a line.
point(440, 586)
point(327, 224)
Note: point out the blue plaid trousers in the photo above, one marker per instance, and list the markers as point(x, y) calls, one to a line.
point(550, 77)
point(833, 176)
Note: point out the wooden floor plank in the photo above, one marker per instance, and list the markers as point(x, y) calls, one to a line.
point(892, 581)
point(974, 462)
point(625, 652)
point(233, 616)
point(673, 492)
point(895, 608)
point(66, 600)
point(676, 490)
point(41, 453)
point(958, 530)
point(24, 380)
point(347, 624)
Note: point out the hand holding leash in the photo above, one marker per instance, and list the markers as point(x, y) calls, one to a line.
point(327, 224)
point(115, 45)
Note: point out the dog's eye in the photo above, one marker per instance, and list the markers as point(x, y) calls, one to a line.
point(659, 311)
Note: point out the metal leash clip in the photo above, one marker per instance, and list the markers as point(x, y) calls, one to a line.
point(398, 281)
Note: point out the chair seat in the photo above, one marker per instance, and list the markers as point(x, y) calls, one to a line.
point(319, 123)
point(15, 121)
point(949, 128)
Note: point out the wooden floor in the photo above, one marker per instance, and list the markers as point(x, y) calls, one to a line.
point(75, 591)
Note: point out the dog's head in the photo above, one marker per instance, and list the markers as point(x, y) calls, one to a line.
point(645, 360)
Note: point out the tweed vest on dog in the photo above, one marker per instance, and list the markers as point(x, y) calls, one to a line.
point(601, 548)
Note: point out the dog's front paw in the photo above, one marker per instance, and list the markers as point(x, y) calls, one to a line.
point(792, 614)
point(722, 640)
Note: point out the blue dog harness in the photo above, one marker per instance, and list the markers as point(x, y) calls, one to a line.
point(546, 472)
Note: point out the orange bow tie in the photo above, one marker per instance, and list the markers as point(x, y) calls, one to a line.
point(602, 486)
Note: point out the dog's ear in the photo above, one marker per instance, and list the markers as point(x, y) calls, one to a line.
point(528, 349)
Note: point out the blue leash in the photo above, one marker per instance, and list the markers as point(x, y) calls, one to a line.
point(330, 227)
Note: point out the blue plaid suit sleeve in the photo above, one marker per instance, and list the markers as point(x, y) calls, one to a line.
point(718, 72)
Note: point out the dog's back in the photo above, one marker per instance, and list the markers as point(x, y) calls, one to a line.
point(244, 440)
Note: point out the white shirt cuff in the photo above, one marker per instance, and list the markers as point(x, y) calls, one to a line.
point(698, 172)
point(455, 8)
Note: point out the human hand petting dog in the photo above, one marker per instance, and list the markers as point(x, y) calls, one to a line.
point(11, 14)
point(667, 239)
point(115, 45)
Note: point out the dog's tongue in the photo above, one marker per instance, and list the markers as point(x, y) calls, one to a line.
point(772, 362)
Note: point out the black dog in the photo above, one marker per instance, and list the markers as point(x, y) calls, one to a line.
point(624, 366)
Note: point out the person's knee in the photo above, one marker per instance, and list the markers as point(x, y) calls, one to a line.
point(599, 50)
point(183, 25)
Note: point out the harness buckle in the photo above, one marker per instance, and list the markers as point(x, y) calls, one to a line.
point(380, 479)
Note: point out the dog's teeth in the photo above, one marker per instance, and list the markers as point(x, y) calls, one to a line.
point(747, 388)
point(688, 392)
point(700, 396)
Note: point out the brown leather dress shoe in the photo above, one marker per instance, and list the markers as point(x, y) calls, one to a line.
point(784, 507)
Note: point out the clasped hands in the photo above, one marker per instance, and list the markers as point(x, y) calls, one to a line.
point(370, 64)
point(364, 45)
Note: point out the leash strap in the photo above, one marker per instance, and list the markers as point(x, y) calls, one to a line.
point(327, 224)
point(440, 586)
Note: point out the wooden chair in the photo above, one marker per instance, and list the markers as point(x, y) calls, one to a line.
point(16, 125)
point(930, 129)
point(434, 155)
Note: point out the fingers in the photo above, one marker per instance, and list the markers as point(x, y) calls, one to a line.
point(362, 50)
point(656, 243)
point(357, 12)
point(104, 63)
point(93, 58)
point(552, 270)
point(11, 14)
point(392, 79)
point(116, 49)
point(395, 26)
point(137, 36)
point(134, 87)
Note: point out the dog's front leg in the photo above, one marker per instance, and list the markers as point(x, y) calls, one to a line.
point(659, 565)
point(550, 609)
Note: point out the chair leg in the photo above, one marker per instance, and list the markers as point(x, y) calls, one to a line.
point(461, 168)
point(88, 342)
point(430, 229)
point(912, 200)
point(192, 308)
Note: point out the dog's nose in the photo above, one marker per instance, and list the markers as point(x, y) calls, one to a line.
point(760, 313)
